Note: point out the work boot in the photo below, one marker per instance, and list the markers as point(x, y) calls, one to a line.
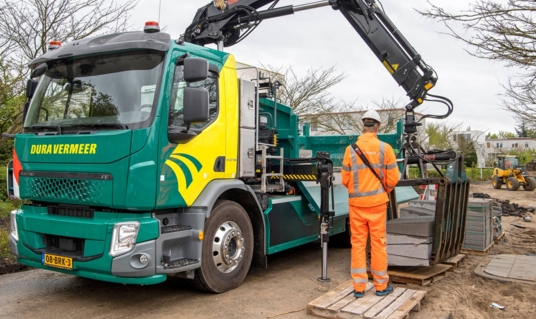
point(359, 294)
point(389, 289)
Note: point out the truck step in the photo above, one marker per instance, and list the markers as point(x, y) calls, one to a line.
point(181, 262)
point(173, 228)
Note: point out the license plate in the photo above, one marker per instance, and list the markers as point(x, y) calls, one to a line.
point(57, 261)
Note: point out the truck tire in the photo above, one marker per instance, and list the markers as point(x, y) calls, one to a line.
point(497, 182)
point(227, 248)
point(512, 184)
point(530, 184)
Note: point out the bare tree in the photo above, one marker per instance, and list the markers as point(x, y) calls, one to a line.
point(347, 119)
point(308, 94)
point(501, 31)
point(438, 135)
point(310, 98)
point(26, 28)
point(28, 25)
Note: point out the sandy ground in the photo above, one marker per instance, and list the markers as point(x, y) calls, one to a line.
point(462, 294)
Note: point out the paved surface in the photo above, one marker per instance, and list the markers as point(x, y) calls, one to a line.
point(508, 268)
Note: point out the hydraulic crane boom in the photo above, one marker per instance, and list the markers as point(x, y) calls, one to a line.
point(226, 22)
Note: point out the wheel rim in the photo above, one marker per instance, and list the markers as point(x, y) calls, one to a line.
point(228, 247)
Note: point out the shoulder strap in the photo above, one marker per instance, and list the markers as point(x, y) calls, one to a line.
point(363, 157)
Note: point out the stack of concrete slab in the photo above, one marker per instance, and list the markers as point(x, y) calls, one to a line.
point(418, 208)
point(409, 238)
point(479, 224)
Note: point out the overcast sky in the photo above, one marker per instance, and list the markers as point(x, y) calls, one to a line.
point(323, 38)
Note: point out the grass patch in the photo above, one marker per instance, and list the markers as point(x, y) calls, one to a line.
point(5, 209)
point(4, 244)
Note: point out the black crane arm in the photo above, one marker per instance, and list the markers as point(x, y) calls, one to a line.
point(226, 22)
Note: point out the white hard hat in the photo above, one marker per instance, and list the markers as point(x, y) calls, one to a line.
point(373, 115)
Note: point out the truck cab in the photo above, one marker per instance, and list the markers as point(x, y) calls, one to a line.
point(95, 158)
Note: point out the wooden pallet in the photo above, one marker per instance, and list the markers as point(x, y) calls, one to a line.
point(340, 303)
point(417, 275)
point(477, 252)
point(455, 261)
point(498, 239)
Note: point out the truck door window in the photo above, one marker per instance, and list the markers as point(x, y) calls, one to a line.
point(175, 114)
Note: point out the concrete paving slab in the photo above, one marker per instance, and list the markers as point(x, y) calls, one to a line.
point(501, 272)
point(502, 263)
point(505, 257)
point(516, 268)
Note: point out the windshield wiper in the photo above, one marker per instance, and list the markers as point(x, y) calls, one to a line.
point(110, 125)
point(57, 128)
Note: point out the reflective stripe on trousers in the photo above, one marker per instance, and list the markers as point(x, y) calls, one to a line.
point(362, 221)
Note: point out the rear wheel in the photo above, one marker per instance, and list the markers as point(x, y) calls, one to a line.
point(512, 184)
point(530, 184)
point(227, 248)
point(497, 182)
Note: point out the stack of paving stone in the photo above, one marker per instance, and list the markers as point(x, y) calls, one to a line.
point(410, 237)
point(479, 224)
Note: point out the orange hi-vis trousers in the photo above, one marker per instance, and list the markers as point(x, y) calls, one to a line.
point(363, 220)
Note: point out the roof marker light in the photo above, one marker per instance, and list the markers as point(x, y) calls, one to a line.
point(53, 45)
point(151, 27)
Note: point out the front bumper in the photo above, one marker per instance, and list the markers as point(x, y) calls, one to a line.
point(36, 227)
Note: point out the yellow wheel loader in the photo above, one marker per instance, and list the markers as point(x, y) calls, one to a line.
point(510, 173)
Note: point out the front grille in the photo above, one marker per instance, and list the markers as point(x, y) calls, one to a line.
point(66, 245)
point(79, 190)
point(71, 211)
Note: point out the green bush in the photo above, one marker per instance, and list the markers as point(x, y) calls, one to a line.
point(3, 186)
point(432, 173)
point(472, 173)
point(5, 209)
point(6, 152)
point(4, 243)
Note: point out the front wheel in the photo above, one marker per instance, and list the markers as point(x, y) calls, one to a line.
point(512, 184)
point(227, 248)
point(530, 184)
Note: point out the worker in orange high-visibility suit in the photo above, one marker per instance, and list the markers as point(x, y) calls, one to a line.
point(368, 204)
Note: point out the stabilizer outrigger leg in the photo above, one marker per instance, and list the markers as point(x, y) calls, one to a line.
point(325, 178)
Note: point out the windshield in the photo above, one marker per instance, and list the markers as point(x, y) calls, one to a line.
point(511, 162)
point(115, 91)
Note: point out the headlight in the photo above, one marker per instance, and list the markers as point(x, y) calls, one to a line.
point(124, 237)
point(14, 231)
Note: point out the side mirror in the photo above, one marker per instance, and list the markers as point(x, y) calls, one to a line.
point(195, 69)
point(31, 85)
point(38, 71)
point(195, 104)
point(25, 111)
point(75, 86)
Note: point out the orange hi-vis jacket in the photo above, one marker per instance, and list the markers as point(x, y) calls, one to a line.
point(364, 189)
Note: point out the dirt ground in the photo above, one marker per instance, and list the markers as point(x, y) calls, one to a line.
point(462, 294)
point(281, 291)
